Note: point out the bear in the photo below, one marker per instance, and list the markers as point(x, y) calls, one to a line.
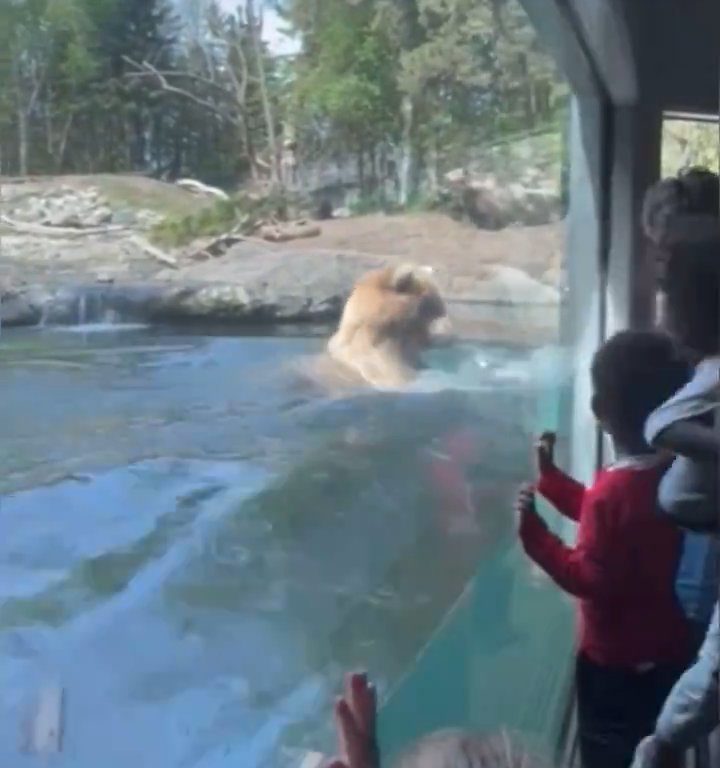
point(391, 316)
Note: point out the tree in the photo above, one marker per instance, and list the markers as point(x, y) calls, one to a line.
point(227, 74)
point(428, 76)
point(73, 66)
point(345, 80)
point(28, 40)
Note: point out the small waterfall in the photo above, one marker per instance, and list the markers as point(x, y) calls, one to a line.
point(111, 316)
point(42, 322)
point(82, 309)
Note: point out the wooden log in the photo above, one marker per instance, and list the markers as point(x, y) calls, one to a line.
point(44, 230)
point(45, 729)
point(156, 253)
point(284, 233)
point(198, 188)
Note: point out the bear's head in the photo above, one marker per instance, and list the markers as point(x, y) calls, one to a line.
point(430, 322)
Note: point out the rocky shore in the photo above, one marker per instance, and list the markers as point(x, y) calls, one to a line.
point(71, 253)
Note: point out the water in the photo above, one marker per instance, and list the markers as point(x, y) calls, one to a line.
point(197, 542)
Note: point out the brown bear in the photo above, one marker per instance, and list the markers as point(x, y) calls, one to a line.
point(390, 317)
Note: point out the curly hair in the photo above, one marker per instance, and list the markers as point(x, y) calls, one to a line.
point(681, 215)
point(684, 208)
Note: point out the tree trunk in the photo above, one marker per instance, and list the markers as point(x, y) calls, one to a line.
point(62, 147)
point(255, 27)
point(22, 142)
point(49, 130)
point(139, 160)
point(372, 153)
point(360, 160)
point(408, 153)
point(433, 161)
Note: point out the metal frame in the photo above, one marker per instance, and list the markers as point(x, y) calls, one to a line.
point(615, 146)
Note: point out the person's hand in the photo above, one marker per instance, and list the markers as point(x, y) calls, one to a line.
point(355, 716)
point(545, 453)
point(526, 514)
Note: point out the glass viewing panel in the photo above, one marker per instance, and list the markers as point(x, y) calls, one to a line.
point(203, 524)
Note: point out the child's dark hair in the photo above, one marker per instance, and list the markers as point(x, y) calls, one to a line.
point(633, 373)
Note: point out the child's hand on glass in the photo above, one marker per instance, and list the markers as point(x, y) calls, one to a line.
point(355, 716)
point(545, 453)
point(526, 514)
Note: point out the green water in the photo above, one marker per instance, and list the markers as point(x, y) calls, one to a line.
point(196, 542)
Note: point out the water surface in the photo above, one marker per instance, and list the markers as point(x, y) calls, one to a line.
point(195, 542)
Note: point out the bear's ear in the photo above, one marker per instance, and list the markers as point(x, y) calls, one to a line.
point(403, 278)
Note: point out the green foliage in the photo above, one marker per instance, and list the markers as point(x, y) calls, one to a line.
point(686, 143)
point(222, 216)
point(376, 81)
point(346, 80)
point(241, 213)
point(373, 202)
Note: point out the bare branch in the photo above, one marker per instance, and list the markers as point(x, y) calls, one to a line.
point(148, 71)
point(145, 69)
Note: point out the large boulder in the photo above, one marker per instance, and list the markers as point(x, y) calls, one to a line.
point(490, 204)
point(508, 285)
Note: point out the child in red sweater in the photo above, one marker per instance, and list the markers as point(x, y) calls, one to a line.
point(634, 641)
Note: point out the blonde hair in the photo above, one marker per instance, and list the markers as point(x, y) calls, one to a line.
point(459, 749)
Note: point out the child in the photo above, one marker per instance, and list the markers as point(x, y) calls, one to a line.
point(634, 641)
point(355, 715)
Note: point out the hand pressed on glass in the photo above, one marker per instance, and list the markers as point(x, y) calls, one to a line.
point(545, 453)
point(355, 717)
point(526, 514)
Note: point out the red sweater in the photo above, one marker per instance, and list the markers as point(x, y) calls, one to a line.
point(622, 567)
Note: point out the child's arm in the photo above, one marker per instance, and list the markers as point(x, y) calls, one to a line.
point(588, 570)
point(683, 425)
point(688, 495)
point(692, 439)
point(564, 493)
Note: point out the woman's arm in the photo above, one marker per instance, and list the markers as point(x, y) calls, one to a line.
point(691, 439)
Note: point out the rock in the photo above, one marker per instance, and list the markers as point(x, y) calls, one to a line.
point(63, 219)
point(489, 204)
point(98, 217)
point(148, 219)
point(509, 285)
point(456, 177)
point(18, 309)
point(125, 216)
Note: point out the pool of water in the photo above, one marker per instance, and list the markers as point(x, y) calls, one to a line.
point(196, 542)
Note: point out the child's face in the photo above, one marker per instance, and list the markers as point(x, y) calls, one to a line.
point(597, 405)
